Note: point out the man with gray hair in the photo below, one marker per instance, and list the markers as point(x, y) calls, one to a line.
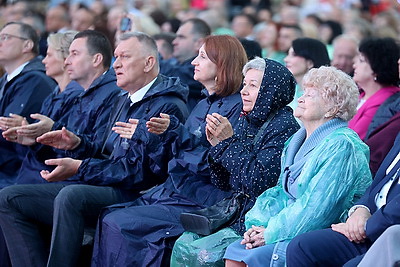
point(101, 181)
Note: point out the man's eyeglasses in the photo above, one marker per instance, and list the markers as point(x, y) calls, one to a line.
point(6, 36)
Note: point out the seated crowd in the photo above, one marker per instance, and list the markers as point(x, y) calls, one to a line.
point(104, 145)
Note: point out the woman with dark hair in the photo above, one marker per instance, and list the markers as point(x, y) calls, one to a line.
point(377, 75)
point(305, 54)
point(244, 165)
point(142, 233)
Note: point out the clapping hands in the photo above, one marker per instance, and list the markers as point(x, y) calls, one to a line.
point(218, 128)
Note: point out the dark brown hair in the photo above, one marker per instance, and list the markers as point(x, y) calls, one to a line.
point(228, 54)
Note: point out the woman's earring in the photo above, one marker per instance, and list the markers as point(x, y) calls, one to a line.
point(375, 79)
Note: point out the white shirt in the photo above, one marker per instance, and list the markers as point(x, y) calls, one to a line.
point(380, 198)
point(139, 94)
point(16, 71)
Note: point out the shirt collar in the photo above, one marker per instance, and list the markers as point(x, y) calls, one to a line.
point(16, 72)
point(139, 94)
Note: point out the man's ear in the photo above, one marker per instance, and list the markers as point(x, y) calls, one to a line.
point(28, 46)
point(149, 64)
point(97, 59)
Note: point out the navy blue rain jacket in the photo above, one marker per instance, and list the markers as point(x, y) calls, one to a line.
point(58, 104)
point(141, 162)
point(23, 95)
point(190, 146)
point(85, 114)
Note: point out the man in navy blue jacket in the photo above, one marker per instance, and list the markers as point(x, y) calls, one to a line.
point(346, 243)
point(22, 90)
point(88, 64)
point(103, 181)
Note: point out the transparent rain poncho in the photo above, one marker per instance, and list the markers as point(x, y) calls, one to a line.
point(333, 178)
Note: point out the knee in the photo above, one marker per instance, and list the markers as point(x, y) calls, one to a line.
point(69, 197)
point(295, 253)
point(7, 194)
point(110, 223)
point(391, 234)
point(293, 247)
point(393, 230)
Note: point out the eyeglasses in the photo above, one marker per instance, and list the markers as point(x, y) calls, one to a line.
point(6, 36)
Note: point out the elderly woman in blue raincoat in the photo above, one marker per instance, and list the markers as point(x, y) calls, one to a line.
point(243, 164)
point(324, 170)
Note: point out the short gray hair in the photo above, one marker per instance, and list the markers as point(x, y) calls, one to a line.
point(149, 46)
point(257, 63)
point(336, 88)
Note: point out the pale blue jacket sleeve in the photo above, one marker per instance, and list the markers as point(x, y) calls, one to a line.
point(333, 178)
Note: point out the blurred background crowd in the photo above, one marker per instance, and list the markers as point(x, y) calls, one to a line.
point(273, 24)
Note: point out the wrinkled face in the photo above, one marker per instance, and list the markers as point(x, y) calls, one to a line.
point(343, 55)
point(311, 106)
point(129, 64)
point(185, 43)
point(251, 87)
point(12, 44)
point(362, 70)
point(205, 71)
point(297, 65)
point(79, 63)
point(53, 62)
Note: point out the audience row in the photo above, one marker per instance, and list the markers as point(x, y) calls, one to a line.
point(85, 131)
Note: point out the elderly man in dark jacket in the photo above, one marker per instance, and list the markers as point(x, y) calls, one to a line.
point(104, 181)
point(22, 90)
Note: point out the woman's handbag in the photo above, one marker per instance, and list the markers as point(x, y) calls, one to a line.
point(209, 220)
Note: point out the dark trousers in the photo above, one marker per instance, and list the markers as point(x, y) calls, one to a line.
point(140, 233)
point(324, 248)
point(67, 208)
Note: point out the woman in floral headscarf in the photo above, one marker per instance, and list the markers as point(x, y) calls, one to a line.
point(240, 163)
point(324, 171)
